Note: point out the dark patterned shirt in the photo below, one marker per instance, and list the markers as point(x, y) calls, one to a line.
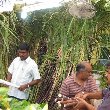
point(105, 105)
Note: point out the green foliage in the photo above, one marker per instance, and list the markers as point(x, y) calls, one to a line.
point(14, 104)
point(78, 39)
point(35, 107)
point(3, 91)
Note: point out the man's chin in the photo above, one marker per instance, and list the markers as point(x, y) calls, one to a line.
point(84, 79)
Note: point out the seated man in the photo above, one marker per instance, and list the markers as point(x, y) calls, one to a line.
point(80, 82)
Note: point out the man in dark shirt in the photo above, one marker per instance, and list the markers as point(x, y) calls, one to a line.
point(104, 94)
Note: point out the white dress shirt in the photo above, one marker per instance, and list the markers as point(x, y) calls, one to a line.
point(23, 72)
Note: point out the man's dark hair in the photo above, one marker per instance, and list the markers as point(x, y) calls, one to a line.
point(24, 46)
point(80, 67)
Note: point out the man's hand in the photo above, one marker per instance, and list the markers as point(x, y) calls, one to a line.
point(23, 87)
point(71, 103)
point(81, 104)
point(66, 102)
point(80, 95)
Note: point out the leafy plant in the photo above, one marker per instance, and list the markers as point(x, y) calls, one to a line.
point(14, 104)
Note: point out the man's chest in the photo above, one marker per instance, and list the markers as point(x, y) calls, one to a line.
point(22, 66)
point(75, 89)
point(22, 70)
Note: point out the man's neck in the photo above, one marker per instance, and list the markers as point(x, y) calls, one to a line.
point(79, 80)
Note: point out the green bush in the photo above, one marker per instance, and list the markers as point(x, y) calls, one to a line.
point(14, 104)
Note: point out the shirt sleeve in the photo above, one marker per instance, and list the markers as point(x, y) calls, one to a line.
point(93, 85)
point(35, 72)
point(64, 90)
point(11, 68)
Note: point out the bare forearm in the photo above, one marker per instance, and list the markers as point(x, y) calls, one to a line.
point(89, 106)
point(30, 84)
point(95, 95)
point(34, 82)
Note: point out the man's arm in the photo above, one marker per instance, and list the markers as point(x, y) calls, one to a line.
point(84, 103)
point(64, 90)
point(34, 82)
point(9, 77)
point(94, 95)
point(30, 84)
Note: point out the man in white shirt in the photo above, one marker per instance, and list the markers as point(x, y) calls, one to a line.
point(23, 72)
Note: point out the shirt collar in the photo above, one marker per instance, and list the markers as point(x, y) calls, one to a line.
point(27, 60)
point(74, 78)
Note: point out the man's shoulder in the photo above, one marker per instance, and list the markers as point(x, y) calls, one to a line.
point(69, 79)
point(31, 62)
point(91, 78)
point(16, 59)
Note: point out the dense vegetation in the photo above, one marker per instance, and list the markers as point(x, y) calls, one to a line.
point(58, 42)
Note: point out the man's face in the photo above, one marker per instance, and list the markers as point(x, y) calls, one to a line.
point(107, 75)
point(23, 54)
point(87, 72)
point(86, 75)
